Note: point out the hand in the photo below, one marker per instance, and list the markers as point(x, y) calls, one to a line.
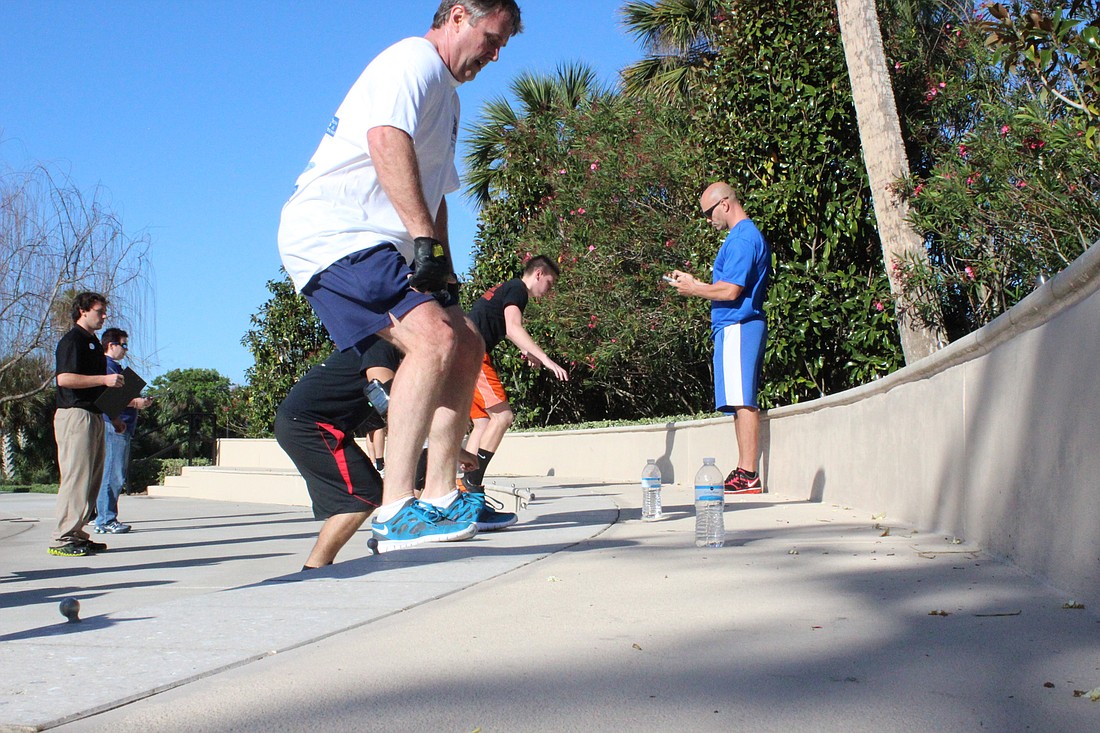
point(467, 461)
point(113, 380)
point(532, 360)
point(557, 370)
point(431, 270)
point(683, 282)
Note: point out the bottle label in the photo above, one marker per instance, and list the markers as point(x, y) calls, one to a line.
point(713, 492)
point(651, 483)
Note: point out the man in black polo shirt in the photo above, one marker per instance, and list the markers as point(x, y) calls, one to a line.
point(78, 425)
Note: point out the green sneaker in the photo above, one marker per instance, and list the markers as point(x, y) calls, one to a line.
point(71, 549)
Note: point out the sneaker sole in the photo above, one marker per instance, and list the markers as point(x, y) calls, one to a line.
point(385, 545)
point(738, 492)
point(499, 524)
point(58, 553)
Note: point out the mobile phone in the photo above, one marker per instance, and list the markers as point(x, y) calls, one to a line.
point(668, 279)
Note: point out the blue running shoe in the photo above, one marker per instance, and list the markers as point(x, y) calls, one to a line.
point(475, 506)
point(419, 522)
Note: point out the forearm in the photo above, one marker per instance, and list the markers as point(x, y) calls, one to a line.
point(518, 335)
point(718, 291)
point(69, 380)
point(398, 171)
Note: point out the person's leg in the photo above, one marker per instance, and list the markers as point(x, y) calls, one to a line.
point(430, 397)
point(335, 533)
point(80, 449)
point(499, 420)
point(377, 448)
point(342, 483)
point(473, 441)
point(111, 486)
point(747, 428)
point(103, 501)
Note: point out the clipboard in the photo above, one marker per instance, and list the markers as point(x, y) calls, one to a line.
point(116, 399)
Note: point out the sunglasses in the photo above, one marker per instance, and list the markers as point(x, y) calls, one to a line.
point(710, 211)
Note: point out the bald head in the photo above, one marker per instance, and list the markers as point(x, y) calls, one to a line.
point(720, 205)
point(714, 193)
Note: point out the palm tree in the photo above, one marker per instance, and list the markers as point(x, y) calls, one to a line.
point(884, 156)
point(538, 97)
point(679, 37)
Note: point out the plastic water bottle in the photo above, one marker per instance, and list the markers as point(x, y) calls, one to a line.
point(651, 492)
point(710, 526)
point(376, 393)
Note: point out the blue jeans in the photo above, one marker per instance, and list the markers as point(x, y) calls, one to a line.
point(114, 476)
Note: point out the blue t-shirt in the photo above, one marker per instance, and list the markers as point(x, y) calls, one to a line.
point(746, 260)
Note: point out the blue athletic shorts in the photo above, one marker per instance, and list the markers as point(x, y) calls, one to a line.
point(355, 295)
point(738, 358)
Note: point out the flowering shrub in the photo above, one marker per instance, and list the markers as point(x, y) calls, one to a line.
point(1007, 190)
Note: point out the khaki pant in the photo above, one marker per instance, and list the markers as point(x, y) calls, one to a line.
point(80, 452)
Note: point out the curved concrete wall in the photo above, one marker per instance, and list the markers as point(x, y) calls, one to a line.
point(993, 439)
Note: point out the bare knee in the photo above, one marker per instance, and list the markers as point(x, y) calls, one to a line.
point(503, 418)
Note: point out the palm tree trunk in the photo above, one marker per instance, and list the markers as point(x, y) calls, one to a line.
point(884, 156)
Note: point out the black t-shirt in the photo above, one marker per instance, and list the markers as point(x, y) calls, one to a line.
point(488, 312)
point(332, 392)
point(79, 352)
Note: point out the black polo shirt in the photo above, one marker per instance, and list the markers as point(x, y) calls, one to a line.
point(79, 352)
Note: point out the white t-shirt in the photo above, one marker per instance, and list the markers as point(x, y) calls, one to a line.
point(338, 206)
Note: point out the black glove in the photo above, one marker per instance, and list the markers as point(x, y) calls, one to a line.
point(430, 267)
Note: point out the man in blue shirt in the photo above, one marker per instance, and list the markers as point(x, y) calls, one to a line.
point(737, 292)
point(118, 433)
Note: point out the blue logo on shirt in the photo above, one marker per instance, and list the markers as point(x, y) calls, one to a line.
point(333, 125)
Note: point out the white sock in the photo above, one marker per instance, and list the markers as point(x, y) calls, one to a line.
point(386, 511)
point(444, 501)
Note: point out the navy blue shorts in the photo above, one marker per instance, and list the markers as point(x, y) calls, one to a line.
point(355, 296)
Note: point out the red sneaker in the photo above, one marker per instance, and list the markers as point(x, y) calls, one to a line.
point(739, 482)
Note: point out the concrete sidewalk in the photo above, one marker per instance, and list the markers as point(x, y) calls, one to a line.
point(813, 617)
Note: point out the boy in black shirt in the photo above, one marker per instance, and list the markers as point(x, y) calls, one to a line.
point(498, 315)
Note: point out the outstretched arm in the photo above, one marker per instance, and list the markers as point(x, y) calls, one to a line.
point(517, 334)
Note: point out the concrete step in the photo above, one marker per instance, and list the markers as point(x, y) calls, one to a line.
point(236, 483)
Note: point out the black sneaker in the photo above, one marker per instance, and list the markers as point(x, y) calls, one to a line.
point(93, 547)
point(71, 549)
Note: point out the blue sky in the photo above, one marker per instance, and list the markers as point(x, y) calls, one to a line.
point(196, 117)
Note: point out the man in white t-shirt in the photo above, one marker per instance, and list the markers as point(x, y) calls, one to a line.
point(364, 238)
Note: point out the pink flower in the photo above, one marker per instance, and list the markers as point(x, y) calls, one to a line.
point(595, 166)
point(971, 180)
point(580, 211)
point(591, 248)
point(562, 171)
point(897, 66)
point(1021, 184)
point(943, 85)
point(879, 306)
point(1004, 129)
point(918, 189)
point(963, 151)
point(969, 272)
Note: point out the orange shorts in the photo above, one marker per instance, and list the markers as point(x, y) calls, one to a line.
point(488, 392)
